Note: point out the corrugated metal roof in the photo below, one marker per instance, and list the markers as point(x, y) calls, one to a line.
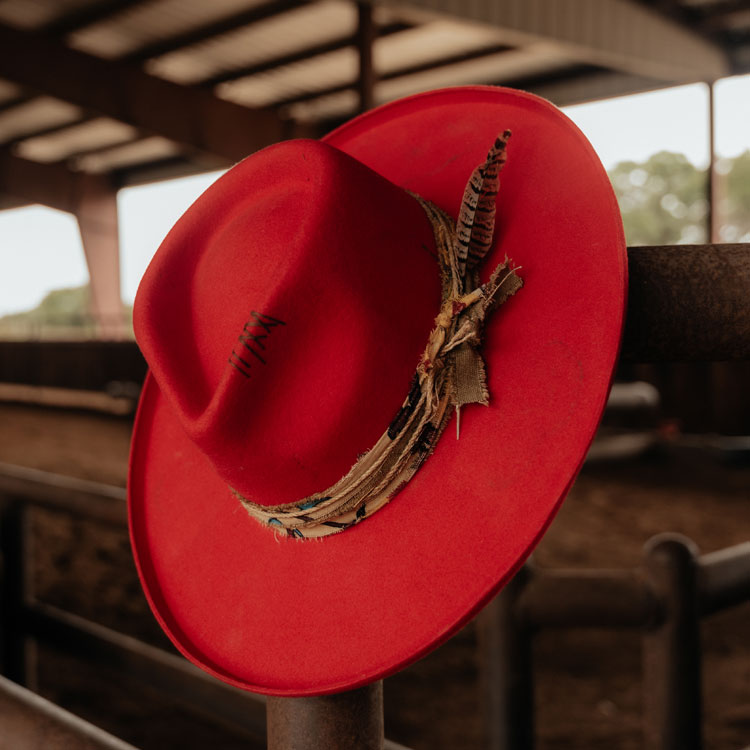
point(131, 29)
point(280, 35)
point(532, 60)
point(288, 81)
point(34, 115)
point(298, 57)
point(94, 135)
point(430, 42)
point(138, 152)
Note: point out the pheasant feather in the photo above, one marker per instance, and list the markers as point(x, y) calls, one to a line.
point(476, 219)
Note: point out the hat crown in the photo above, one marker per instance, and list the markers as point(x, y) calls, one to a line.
point(284, 315)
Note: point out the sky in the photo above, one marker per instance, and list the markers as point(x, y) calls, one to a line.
point(40, 249)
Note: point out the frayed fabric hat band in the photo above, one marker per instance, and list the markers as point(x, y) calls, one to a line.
point(450, 373)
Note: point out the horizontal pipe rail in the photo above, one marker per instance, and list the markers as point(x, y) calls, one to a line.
point(646, 598)
point(724, 578)
point(29, 721)
point(560, 598)
point(82, 365)
point(624, 598)
point(169, 674)
point(688, 303)
point(587, 598)
point(79, 497)
point(685, 303)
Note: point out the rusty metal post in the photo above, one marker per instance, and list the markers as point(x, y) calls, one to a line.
point(671, 648)
point(13, 591)
point(344, 721)
point(505, 668)
point(365, 38)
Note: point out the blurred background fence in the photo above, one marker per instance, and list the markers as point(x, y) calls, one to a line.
point(116, 114)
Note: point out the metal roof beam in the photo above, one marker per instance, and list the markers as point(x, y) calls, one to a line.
point(187, 115)
point(8, 202)
point(620, 35)
point(52, 185)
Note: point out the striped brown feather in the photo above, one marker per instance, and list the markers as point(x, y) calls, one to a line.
point(476, 219)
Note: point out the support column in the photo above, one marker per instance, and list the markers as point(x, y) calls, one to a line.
point(96, 212)
point(365, 39)
point(344, 721)
point(671, 648)
point(714, 178)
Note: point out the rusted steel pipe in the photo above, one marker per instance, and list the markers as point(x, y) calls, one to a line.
point(344, 721)
point(588, 598)
point(79, 497)
point(671, 648)
point(724, 578)
point(688, 303)
point(168, 673)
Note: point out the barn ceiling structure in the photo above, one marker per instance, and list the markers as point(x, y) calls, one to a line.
point(99, 94)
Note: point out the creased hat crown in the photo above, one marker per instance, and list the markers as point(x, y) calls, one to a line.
point(284, 315)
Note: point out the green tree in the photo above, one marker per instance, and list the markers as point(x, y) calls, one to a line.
point(734, 203)
point(662, 200)
point(63, 313)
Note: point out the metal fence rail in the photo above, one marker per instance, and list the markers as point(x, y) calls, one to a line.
point(664, 598)
point(685, 304)
point(348, 720)
point(30, 721)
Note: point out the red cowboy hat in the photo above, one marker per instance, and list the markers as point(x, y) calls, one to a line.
point(283, 319)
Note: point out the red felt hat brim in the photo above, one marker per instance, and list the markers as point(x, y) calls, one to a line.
point(284, 617)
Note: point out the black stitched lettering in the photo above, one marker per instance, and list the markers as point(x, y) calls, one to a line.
point(264, 321)
point(239, 359)
point(250, 340)
point(252, 351)
point(237, 367)
point(245, 337)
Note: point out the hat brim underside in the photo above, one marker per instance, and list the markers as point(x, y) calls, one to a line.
point(285, 617)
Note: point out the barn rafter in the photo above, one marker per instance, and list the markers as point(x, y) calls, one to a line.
point(97, 94)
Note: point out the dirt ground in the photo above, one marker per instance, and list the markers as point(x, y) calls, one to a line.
point(588, 682)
